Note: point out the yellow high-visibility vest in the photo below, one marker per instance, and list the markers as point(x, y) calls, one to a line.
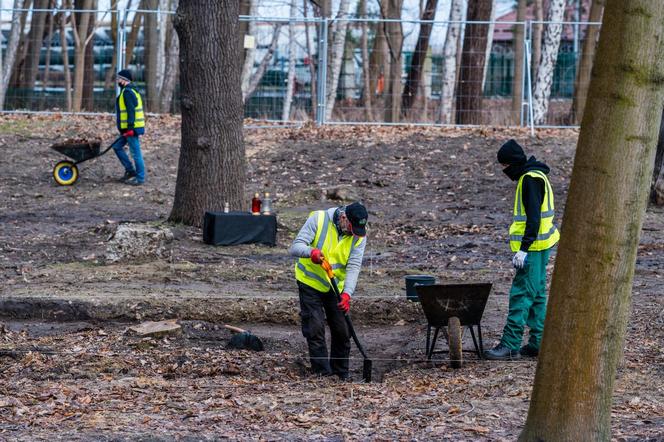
point(548, 234)
point(139, 117)
point(336, 251)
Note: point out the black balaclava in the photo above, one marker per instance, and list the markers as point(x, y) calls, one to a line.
point(512, 154)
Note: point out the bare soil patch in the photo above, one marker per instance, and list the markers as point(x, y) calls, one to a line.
point(438, 204)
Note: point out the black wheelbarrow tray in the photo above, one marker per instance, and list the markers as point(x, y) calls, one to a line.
point(65, 172)
point(451, 307)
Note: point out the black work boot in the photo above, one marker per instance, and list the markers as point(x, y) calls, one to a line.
point(529, 351)
point(501, 353)
point(127, 175)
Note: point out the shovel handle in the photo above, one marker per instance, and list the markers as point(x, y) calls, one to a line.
point(234, 329)
point(328, 268)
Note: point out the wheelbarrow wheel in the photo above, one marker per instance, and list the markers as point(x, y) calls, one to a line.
point(65, 173)
point(454, 341)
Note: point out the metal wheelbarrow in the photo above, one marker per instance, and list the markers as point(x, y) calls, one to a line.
point(65, 173)
point(451, 307)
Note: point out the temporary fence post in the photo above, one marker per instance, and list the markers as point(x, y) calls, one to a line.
point(524, 67)
point(531, 118)
point(121, 16)
point(322, 72)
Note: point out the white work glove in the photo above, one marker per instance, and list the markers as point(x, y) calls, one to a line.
point(519, 260)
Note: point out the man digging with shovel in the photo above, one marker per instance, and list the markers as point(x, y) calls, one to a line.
point(338, 236)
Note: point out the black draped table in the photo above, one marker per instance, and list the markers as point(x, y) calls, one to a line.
point(227, 229)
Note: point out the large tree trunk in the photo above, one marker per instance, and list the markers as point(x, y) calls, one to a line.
point(517, 84)
point(212, 165)
point(450, 62)
point(473, 57)
point(548, 63)
point(394, 37)
point(338, 38)
point(538, 30)
point(151, 59)
point(657, 189)
point(7, 63)
point(290, 87)
point(586, 61)
point(592, 280)
point(414, 76)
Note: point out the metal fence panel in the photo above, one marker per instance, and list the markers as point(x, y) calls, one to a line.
point(423, 93)
point(446, 82)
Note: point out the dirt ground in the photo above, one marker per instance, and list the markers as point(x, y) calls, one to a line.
point(438, 205)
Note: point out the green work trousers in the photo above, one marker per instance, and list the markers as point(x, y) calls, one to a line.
point(527, 302)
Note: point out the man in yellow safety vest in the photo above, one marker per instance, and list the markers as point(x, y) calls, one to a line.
point(130, 120)
point(532, 235)
point(337, 235)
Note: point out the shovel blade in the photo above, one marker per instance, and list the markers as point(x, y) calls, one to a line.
point(246, 341)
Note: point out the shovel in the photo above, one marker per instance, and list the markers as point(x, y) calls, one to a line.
point(367, 364)
point(243, 340)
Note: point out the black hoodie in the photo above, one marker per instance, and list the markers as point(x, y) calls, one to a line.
point(532, 189)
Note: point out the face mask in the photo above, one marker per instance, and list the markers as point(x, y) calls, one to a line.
point(513, 171)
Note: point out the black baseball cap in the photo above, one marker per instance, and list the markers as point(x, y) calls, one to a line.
point(357, 215)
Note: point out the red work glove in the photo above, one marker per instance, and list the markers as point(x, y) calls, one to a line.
point(129, 133)
point(344, 305)
point(316, 256)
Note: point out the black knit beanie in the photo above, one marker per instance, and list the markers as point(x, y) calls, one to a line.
point(125, 74)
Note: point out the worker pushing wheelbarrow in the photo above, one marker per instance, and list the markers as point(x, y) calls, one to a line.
point(130, 120)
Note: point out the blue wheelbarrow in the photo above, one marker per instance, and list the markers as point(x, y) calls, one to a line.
point(65, 173)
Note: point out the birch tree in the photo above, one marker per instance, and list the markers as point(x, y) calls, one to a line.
point(592, 281)
point(290, 87)
point(337, 36)
point(7, 62)
point(547, 64)
point(450, 62)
